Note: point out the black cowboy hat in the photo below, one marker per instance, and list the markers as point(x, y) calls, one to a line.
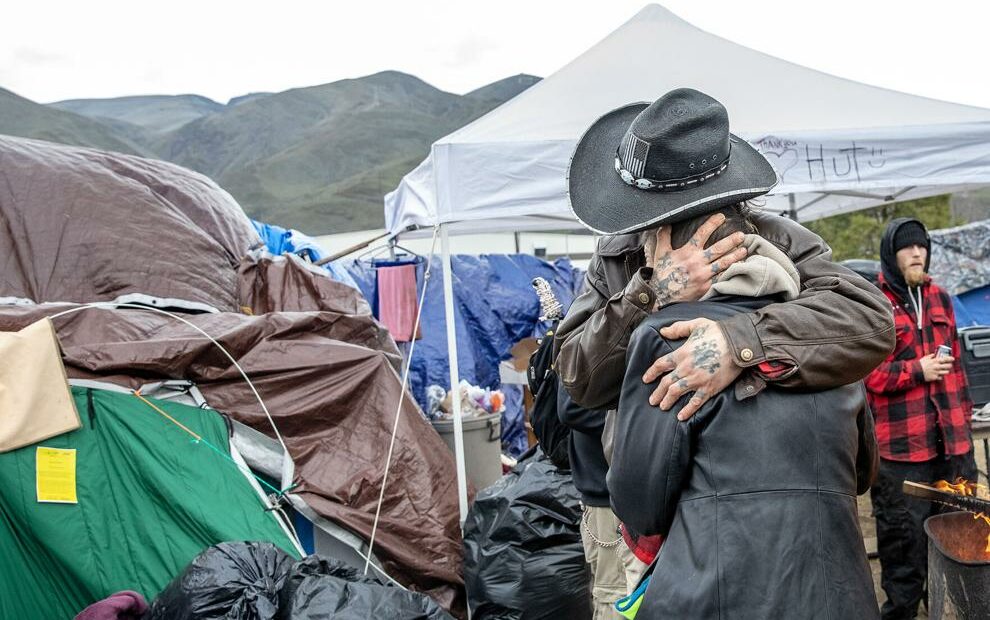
point(644, 165)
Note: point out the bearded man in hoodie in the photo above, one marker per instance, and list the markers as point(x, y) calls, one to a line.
point(922, 411)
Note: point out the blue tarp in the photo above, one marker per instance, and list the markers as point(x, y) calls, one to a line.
point(495, 307)
point(972, 307)
point(280, 241)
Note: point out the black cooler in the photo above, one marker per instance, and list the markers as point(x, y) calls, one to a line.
point(975, 345)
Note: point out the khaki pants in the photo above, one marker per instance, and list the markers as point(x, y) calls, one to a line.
point(615, 571)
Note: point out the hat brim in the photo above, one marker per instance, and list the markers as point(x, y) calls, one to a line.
point(603, 202)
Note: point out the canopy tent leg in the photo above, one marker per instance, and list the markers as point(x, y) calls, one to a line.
point(448, 301)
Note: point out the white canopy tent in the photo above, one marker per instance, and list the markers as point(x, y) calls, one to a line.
point(837, 145)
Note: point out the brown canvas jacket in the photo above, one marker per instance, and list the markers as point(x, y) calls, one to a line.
point(838, 330)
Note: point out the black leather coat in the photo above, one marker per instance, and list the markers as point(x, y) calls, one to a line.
point(757, 497)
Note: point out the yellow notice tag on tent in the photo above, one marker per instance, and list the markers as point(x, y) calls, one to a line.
point(56, 472)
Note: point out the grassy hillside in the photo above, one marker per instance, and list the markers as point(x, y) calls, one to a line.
point(319, 159)
point(155, 113)
point(27, 119)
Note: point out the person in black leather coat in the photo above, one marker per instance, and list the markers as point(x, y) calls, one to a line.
point(756, 495)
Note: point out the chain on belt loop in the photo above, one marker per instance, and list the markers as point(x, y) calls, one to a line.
point(587, 528)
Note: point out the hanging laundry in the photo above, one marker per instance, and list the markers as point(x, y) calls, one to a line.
point(397, 301)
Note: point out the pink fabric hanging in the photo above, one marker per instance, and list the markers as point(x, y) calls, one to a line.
point(397, 301)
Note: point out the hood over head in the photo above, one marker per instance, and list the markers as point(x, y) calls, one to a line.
point(888, 255)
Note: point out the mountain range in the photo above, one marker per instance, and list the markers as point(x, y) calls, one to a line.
point(318, 159)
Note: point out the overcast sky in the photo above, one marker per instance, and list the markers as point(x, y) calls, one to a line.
point(52, 50)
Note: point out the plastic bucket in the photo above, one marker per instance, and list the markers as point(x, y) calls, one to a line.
point(482, 446)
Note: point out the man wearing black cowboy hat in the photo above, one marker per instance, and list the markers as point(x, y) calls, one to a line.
point(644, 166)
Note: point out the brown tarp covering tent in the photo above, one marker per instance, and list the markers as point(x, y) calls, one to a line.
point(289, 284)
point(80, 225)
point(84, 225)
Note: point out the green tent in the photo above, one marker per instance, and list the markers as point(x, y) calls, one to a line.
point(149, 496)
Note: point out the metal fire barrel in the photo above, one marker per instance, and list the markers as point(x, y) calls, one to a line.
point(958, 567)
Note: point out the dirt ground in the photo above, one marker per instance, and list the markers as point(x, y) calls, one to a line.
point(870, 531)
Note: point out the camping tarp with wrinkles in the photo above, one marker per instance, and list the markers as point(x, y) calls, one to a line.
point(289, 284)
point(149, 500)
point(82, 225)
point(329, 400)
point(961, 265)
point(961, 257)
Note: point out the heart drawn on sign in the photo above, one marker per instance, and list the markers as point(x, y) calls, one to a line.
point(780, 152)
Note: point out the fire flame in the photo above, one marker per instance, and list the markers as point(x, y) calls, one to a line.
point(986, 520)
point(960, 487)
point(964, 487)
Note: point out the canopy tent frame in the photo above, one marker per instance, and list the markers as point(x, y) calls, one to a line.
point(455, 400)
point(794, 209)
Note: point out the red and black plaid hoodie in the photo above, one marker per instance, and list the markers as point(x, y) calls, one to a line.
point(914, 415)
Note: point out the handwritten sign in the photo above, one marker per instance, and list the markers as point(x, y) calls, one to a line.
point(800, 162)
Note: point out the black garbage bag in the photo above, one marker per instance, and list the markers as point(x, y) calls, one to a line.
point(523, 558)
point(320, 589)
point(229, 581)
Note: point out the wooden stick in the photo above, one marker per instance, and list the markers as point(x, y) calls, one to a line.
point(350, 250)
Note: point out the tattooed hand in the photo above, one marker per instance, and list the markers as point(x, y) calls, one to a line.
point(686, 274)
point(702, 365)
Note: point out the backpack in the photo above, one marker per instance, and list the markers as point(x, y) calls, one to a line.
point(553, 435)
